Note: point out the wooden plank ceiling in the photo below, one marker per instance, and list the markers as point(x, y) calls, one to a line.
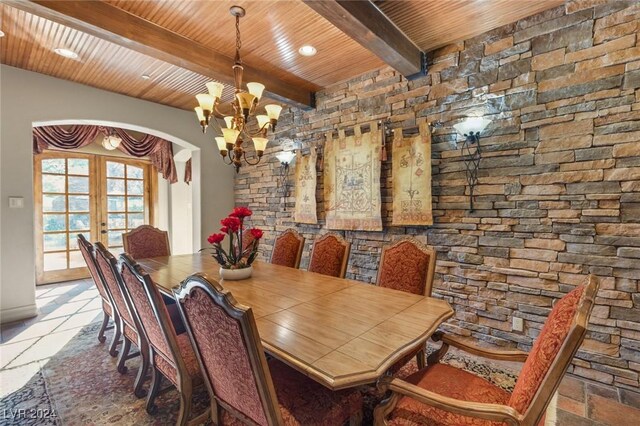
point(272, 33)
point(436, 23)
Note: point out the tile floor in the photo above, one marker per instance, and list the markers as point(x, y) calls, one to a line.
point(67, 307)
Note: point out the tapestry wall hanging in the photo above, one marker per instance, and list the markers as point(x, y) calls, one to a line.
point(412, 178)
point(305, 209)
point(352, 180)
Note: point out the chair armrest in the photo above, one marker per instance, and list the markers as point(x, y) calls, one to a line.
point(491, 412)
point(501, 355)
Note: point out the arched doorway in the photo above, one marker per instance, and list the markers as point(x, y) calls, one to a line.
point(103, 194)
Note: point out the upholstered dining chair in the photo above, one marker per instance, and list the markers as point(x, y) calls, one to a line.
point(330, 255)
point(126, 328)
point(244, 387)
point(170, 355)
point(87, 250)
point(445, 395)
point(408, 265)
point(287, 249)
point(146, 241)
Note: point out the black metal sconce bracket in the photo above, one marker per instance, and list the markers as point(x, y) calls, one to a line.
point(472, 155)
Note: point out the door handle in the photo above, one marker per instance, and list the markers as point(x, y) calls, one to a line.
point(103, 232)
point(103, 224)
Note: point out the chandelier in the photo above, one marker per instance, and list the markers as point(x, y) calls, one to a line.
point(237, 113)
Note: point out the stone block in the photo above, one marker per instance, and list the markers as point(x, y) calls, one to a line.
point(548, 60)
point(574, 37)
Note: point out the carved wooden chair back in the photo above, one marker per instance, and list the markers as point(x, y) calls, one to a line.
point(287, 249)
point(330, 255)
point(407, 265)
point(229, 351)
point(88, 253)
point(108, 268)
point(562, 335)
point(152, 318)
point(146, 241)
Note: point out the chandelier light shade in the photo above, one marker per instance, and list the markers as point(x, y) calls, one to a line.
point(239, 114)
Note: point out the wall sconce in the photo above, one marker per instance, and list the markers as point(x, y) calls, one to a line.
point(471, 129)
point(285, 158)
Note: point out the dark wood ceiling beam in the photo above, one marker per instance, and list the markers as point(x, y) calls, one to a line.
point(122, 28)
point(366, 24)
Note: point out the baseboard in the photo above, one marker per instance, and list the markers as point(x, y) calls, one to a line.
point(17, 314)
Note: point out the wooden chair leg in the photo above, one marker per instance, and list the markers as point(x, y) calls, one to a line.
point(122, 369)
point(105, 321)
point(420, 359)
point(185, 406)
point(142, 371)
point(115, 340)
point(156, 379)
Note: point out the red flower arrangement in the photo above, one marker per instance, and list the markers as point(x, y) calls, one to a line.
point(241, 254)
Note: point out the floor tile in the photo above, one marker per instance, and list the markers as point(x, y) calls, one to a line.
point(39, 329)
point(10, 351)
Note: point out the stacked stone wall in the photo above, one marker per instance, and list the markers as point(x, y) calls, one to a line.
point(559, 188)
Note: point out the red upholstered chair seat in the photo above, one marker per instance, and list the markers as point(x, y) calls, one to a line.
point(303, 402)
point(188, 355)
point(454, 383)
point(306, 402)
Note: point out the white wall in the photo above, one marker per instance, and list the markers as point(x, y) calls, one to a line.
point(181, 209)
point(27, 98)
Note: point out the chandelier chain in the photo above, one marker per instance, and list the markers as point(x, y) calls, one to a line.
point(238, 41)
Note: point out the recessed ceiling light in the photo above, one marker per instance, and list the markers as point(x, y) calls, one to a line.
point(66, 52)
point(1, 33)
point(307, 50)
point(146, 76)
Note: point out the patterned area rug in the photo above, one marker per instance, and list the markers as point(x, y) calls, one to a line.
point(81, 386)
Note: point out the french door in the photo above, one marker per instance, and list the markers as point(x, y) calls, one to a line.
point(97, 196)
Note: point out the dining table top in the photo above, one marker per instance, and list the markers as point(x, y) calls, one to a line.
point(340, 332)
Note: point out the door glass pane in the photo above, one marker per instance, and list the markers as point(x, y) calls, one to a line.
point(55, 242)
point(53, 183)
point(135, 187)
point(78, 203)
point(76, 260)
point(115, 169)
point(117, 221)
point(115, 186)
point(78, 166)
point(78, 185)
point(135, 220)
point(79, 222)
point(73, 238)
point(115, 238)
point(115, 204)
point(53, 203)
point(54, 222)
point(134, 172)
point(55, 261)
point(54, 165)
point(135, 204)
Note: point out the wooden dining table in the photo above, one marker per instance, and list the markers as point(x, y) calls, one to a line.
point(339, 332)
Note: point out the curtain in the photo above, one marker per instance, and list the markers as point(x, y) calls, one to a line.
point(58, 137)
point(187, 172)
point(159, 151)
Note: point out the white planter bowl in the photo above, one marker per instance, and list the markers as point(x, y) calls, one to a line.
point(236, 274)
